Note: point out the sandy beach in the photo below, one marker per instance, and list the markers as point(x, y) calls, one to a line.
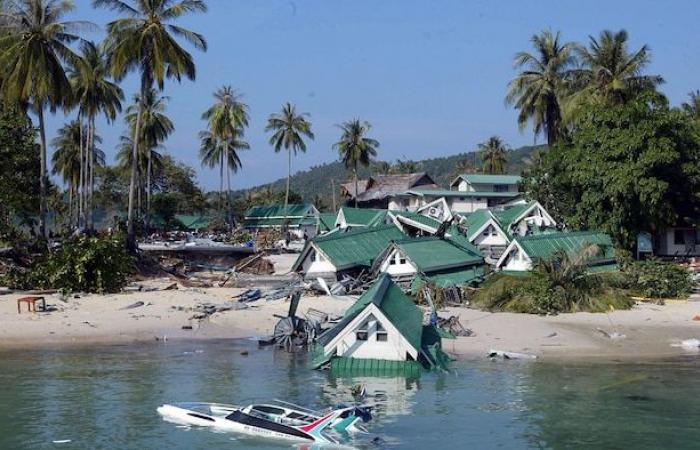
point(650, 331)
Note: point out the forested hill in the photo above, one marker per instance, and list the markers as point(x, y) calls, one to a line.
point(316, 181)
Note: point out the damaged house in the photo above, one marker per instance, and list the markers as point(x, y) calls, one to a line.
point(382, 331)
point(525, 251)
point(378, 190)
point(446, 262)
point(344, 252)
point(300, 219)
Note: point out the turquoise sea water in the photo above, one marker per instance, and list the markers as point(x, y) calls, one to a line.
point(106, 398)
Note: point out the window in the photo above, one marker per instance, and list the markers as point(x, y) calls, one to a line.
point(362, 333)
point(500, 188)
point(402, 259)
point(679, 237)
point(382, 335)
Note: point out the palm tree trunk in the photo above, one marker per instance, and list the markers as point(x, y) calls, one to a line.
point(221, 183)
point(43, 178)
point(70, 205)
point(228, 196)
point(289, 175)
point(79, 187)
point(131, 230)
point(354, 171)
point(91, 172)
point(148, 191)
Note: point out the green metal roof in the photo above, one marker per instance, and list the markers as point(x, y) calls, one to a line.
point(432, 254)
point(448, 193)
point(277, 211)
point(277, 222)
point(420, 218)
point(507, 216)
point(193, 222)
point(326, 221)
point(484, 178)
point(364, 216)
point(377, 367)
point(358, 247)
point(543, 246)
point(393, 303)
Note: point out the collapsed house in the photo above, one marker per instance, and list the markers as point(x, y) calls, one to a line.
point(378, 190)
point(300, 219)
point(350, 251)
point(525, 251)
point(445, 262)
point(359, 217)
point(382, 332)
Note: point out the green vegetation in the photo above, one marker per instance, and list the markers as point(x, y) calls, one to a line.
point(628, 168)
point(493, 154)
point(656, 279)
point(87, 264)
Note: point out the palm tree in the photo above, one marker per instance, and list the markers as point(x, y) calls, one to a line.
point(383, 168)
point(226, 121)
point(539, 89)
point(692, 106)
point(145, 40)
point(223, 152)
point(354, 147)
point(610, 72)
point(33, 52)
point(289, 128)
point(147, 158)
point(463, 166)
point(155, 128)
point(494, 155)
point(94, 93)
point(406, 166)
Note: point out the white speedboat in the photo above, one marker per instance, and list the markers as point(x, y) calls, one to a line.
point(277, 419)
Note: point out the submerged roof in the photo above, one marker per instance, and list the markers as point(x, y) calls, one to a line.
point(544, 246)
point(485, 178)
point(432, 254)
point(400, 310)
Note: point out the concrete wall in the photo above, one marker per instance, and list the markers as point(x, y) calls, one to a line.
point(517, 261)
point(668, 245)
point(392, 349)
point(467, 204)
point(315, 265)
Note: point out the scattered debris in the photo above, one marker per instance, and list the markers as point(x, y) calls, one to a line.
point(510, 355)
point(688, 344)
point(249, 295)
point(187, 327)
point(454, 326)
point(551, 335)
point(292, 332)
point(170, 287)
point(614, 335)
point(133, 305)
point(696, 318)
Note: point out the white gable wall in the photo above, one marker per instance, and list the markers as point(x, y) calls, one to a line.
point(346, 344)
point(317, 264)
point(467, 204)
point(515, 259)
point(396, 264)
point(490, 236)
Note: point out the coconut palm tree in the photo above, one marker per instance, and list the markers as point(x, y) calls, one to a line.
point(406, 166)
point(222, 151)
point(67, 159)
point(538, 91)
point(611, 72)
point(289, 129)
point(155, 129)
point(226, 121)
point(354, 147)
point(493, 155)
point(383, 168)
point(149, 159)
point(94, 93)
point(33, 53)
point(463, 166)
point(146, 40)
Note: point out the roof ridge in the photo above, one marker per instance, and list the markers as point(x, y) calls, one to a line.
point(532, 237)
point(354, 232)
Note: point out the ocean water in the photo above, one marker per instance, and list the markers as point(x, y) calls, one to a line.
point(106, 398)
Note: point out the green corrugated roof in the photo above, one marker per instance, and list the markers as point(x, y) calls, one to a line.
point(193, 222)
point(458, 277)
point(543, 246)
point(326, 221)
point(277, 222)
point(364, 216)
point(484, 178)
point(377, 367)
point(420, 218)
point(358, 247)
point(432, 254)
point(276, 211)
point(507, 216)
point(396, 306)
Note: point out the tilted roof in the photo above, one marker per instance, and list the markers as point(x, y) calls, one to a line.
point(507, 216)
point(400, 310)
point(278, 211)
point(485, 178)
point(326, 221)
point(358, 247)
point(418, 218)
point(432, 254)
point(363, 216)
point(543, 246)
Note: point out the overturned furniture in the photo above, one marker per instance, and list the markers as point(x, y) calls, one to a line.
point(383, 332)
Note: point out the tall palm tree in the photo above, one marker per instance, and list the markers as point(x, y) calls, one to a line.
point(354, 147)
point(215, 150)
point(33, 52)
point(463, 166)
point(146, 40)
point(494, 155)
point(289, 129)
point(226, 121)
point(147, 157)
point(94, 93)
point(611, 72)
point(383, 168)
point(406, 166)
point(692, 106)
point(155, 129)
point(538, 91)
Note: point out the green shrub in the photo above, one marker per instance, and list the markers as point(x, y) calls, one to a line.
point(85, 264)
point(657, 279)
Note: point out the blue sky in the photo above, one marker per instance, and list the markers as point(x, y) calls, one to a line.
point(429, 75)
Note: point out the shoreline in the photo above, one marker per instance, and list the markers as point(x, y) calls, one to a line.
point(649, 330)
